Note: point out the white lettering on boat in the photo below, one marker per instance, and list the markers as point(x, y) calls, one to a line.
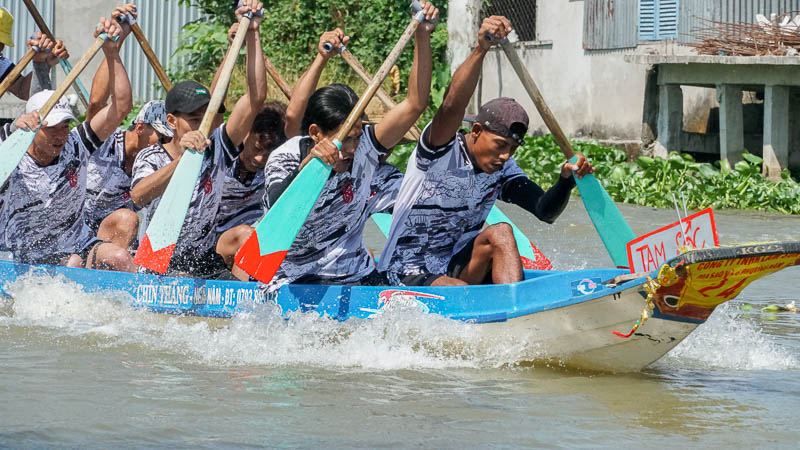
point(164, 295)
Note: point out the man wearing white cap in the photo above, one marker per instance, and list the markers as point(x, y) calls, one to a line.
point(109, 210)
point(48, 54)
point(44, 197)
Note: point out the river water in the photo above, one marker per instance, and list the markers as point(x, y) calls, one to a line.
point(81, 370)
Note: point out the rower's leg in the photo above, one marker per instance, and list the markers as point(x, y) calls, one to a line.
point(119, 228)
point(107, 256)
point(229, 244)
point(495, 251)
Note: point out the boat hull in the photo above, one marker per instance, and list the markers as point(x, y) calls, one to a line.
point(588, 319)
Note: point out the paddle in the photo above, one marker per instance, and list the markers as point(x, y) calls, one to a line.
point(15, 147)
point(12, 76)
point(414, 133)
point(148, 51)
point(606, 217)
point(160, 239)
point(277, 78)
point(80, 89)
point(265, 249)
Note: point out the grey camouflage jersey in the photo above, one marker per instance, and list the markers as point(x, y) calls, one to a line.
point(441, 207)
point(43, 208)
point(108, 186)
point(241, 200)
point(198, 236)
point(329, 246)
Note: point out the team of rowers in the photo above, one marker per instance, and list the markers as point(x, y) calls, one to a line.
point(83, 196)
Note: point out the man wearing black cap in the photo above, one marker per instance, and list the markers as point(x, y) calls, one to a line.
point(453, 180)
point(186, 105)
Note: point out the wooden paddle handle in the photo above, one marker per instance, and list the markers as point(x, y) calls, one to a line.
point(151, 56)
point(42, 25)
point(536, 95)
point(72, 76)
point(12, 77)
point(277, 78)
point(218, 96)
point(383, 72)
point(359, 69)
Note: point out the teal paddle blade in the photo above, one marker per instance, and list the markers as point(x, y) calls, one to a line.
point(266, 248)
point(161, 238)
point(384, 222)
point(614, 231)
point(12, 150)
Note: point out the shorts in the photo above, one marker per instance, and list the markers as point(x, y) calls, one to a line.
point(455, 267)
point(207, 265)
point(59, 259)
point(373, 279)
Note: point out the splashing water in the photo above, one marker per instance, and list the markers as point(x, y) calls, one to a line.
point(397, 339)
point(727, 341)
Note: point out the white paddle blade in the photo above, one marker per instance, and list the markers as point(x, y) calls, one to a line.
point(12, 150)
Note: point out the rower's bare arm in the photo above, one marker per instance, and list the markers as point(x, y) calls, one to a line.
point(448, 119)
point(101, 88)
point(307, 83)
point(248, 106)
point(401, 118)
point(154, 185)
point(106, 121)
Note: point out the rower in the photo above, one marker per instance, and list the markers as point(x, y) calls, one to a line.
point(186, 105)
point(329, 247)
point(48, 53)
point(454, 178)
point(109, 210)
point(44, 196)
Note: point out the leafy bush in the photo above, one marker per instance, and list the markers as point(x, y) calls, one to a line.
point(652, 181)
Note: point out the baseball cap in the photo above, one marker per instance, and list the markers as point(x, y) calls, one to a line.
point(506, 117)
point(6, 27)
point(61, 111)
point(187, 97)
point(154, 113)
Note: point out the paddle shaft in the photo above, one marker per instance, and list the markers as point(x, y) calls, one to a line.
point(72, 76)
point(536, 95)
point(383, 72)
point(359, 69)
point(12, 77)
point(151, 56)
point(37, 17)
point(218, 96)
point(273, 73)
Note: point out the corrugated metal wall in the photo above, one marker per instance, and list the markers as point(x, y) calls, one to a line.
point(24, 25)
point(161, 22)
point(609, 24)
point(693, 11)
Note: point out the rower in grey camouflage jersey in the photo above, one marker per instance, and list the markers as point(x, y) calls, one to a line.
point(330, 246)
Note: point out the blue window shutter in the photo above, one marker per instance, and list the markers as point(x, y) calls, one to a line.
point(667, 19)
point(647, 20)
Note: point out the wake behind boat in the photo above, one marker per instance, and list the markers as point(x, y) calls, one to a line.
point(595, 319)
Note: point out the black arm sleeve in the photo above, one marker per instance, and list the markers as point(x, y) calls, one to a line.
point(546, 206)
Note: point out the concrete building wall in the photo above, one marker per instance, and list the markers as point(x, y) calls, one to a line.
point(593, 93)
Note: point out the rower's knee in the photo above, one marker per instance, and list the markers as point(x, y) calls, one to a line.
point(231, 240)
point(124, 221)
point(500, 235)
point(112, 257)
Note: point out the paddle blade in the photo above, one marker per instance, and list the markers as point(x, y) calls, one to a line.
point(614, 231)
point(384, 222)
point(264, 252)
point(12, 150)
point(161, 237)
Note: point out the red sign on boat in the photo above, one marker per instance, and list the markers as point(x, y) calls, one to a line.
point(648, 252)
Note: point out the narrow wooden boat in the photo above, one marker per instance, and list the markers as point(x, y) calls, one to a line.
point(596, 319)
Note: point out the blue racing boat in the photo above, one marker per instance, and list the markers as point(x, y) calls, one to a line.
point(598, 319)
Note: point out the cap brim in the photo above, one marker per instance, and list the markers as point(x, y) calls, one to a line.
point(162, 129)
point(189, 108)
point(57, 117)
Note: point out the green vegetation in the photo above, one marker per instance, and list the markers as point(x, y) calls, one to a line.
point(652, 181)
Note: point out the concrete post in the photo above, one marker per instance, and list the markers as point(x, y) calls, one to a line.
point(670, 119)
point(776, 130)
point(731, 127)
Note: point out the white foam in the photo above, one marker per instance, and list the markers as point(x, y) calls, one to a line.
point(728, 341)
point(399, 339)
